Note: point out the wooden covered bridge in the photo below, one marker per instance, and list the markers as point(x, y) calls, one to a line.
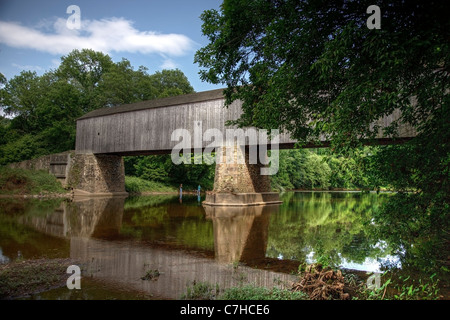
point(105, 135)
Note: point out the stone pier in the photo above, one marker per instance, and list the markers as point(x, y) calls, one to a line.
point(85, 173)
point(153, 127)
point(240, 183)
point(97, 175)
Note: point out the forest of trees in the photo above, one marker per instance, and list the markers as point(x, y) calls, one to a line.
point(311, 83)
point(40, 113)
point(298, 169)
point(316, 69)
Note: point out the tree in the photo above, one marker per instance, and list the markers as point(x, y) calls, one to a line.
point(122, 85)
point(161, 84)
point(43, 109)
point(154, 168)
point(84, 70)
point(170, 83)
point(314, 69)
point(20, 97)
point(301, 169)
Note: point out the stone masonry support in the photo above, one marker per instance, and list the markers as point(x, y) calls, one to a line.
point(239, 183)
point(97, 175)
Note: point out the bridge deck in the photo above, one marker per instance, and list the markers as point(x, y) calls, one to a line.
point(146, 127)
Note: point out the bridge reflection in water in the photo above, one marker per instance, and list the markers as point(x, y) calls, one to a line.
point(240, 233)
point(93, 224)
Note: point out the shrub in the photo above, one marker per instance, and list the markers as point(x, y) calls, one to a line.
point(250, 292)
point(138, 185)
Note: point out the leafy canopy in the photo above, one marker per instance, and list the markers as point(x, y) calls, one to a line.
point(42, 110)
point(314, 69)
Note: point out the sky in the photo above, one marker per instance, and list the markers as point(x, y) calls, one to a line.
point(34, 35)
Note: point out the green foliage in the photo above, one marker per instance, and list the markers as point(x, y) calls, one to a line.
point(153, 168)
point(314, 69)
point(160, 168)
point(22, 148)
point(332, 226)
point(200, 291)
point(192, 175)
point(44, 109)
point(349, 172)
point(320, 169)
point(122, 85)
point(170, 83)
point(84, 70)
point(151, 274)
point(138, 185)
point(301, 169)
point(298, 169)
point(207, 291)
point(250, 292)
point(404, 288)
point(417, 290)
point(21, 181)
point(420, 212)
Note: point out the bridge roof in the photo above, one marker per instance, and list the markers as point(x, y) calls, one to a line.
point(157, 103)
point(147, 127)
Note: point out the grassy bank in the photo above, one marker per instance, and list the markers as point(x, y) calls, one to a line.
point(137, 185)
point(206, 291)
point(324, 283)
point(27, 277)
point(28, 182)
point(40, 182)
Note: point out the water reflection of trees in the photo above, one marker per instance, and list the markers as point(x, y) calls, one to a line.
point(162, 217)
point(334, 226)
point(18, 237)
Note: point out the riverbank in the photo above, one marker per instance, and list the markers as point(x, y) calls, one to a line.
point(40, 184)
point(26, 277)
point(67, 195)
point(30, 183)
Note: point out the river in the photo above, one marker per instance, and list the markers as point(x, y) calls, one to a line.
point(120, 240)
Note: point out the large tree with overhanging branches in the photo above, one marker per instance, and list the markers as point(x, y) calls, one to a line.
point(314, 68)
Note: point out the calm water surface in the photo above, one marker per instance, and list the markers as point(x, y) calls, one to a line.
point(118, 240)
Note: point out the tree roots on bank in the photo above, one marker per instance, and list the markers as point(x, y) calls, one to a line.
point(322, 283)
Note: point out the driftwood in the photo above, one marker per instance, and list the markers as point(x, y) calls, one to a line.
point(322, 283)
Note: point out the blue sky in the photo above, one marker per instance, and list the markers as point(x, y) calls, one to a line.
point(155, 34)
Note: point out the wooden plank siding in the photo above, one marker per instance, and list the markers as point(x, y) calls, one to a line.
point(146, 127)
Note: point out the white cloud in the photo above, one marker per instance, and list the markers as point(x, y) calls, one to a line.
point(106, 35)
point(168, 64)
